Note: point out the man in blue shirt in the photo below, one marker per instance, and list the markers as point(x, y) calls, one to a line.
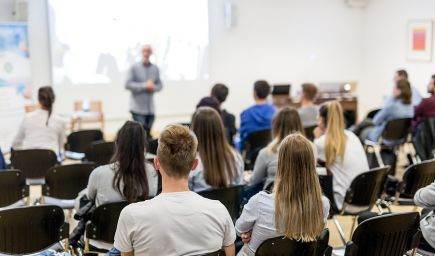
point(416, 96)
point(2, 160)
point(258, 117)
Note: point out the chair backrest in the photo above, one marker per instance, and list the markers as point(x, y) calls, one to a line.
point(371, 114)
point(221, 252)
point(94, 106)
point(103, 222)
point(34, 163)
point(230, 197)
point(397, 129)
point(256, 141)
point(152, 146)
point(12, 187)
point(79, 141)
point(31, 229)
point(309, 132)
point(283, 246)
point(366, 188)
point(100, 152)
point(417, 176)
point(328, 191)
point(66, 181)
point(386, 235)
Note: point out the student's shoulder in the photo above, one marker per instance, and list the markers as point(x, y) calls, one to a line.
point(141, 209)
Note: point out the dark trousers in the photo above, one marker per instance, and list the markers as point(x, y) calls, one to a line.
point(146, 120)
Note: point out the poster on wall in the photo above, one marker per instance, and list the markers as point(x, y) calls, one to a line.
point(419, 40)
point(15, 79)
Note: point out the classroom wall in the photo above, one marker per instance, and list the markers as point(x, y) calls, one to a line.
point(384, 48)
point(287, 41)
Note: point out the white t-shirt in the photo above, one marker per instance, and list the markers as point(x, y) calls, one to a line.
point(344, 171)
point(181, 223)
point(34, 133)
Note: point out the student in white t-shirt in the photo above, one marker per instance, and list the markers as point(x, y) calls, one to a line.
point(341, 150)
point(41, 129)
point(178, 221)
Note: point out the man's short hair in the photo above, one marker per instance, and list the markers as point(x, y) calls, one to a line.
point(262, 89)
point(220, 92)
point(309, 91)
point(402, 73)
point(177, 150)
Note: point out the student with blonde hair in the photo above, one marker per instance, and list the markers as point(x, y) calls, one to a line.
point(220, 165)
point(341, 150)
point(285, 122)
point(295, 209)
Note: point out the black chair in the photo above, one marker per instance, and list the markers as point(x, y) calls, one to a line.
point(279, 246)
point(387, 235)
point(424, 139)
point(152, 146)
point(309, 132)
point(395, 130)
point(13, 187)
point(361, 196)
point(100, 152)
point(371, 114)
point(103, 223)
point(32, 229)
point(230, 197)
point(65, 182)
point(216, 253)
point(34, 163)
point(253, 144)
point(79, 141)
point(415, 177)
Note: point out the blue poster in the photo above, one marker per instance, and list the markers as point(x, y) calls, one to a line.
point(14, 58)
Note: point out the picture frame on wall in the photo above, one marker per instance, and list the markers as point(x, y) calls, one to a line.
point(420, 38)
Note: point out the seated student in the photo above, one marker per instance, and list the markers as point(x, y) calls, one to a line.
point(308, 110)
point(426, 108)
point(211, 102)
point(178, 221)
point(425, 197)
point(220, 92)
point(129, 177)
point(403, 75)
point(295, 209)
point(258, 117)
point(40, 129)
point(286, 121)
point(340, 149)
point(400, 107)
point(219, 165)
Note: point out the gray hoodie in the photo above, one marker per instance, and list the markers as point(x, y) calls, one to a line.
point(425, 197)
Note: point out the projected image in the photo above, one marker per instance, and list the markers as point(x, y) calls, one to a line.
point(96, 42)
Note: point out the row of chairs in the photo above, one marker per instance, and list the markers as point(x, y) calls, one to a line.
point(385, 235)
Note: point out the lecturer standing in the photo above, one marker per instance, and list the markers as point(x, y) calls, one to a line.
point(143, 81)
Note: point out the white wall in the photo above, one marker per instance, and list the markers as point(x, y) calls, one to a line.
point(385, 41)
point(278, 40)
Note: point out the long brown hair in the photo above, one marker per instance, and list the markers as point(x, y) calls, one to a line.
point(298, 198)
point(286, 121)
point(46, 98)
point(216, 154)
point(129, 162)
point(405, 91)
point(335, 138)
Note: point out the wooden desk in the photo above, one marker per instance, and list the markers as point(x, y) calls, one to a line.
point(349, 103)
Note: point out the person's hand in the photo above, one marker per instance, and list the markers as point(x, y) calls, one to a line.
point(317, 132)
point(150, 86)
point(246, 237)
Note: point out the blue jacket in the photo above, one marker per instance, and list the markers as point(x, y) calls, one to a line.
point(393, 110)
point(2, 160)
point(256, 118)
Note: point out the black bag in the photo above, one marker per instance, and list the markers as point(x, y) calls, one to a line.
point(83, 215)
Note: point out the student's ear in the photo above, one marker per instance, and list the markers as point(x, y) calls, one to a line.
point(195, 164)
point(157, 163)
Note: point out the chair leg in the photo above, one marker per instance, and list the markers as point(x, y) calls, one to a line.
point(414, 252)
point(377, 150)
point(87, 245)
point(353, 225)
point(339, 229)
